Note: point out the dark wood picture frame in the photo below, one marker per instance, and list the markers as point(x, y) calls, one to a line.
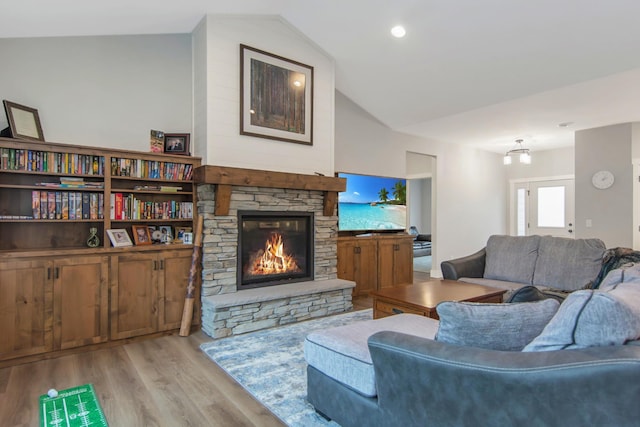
point(24, 122)
point(276, 97)
point(177, 143)
point(141, 235)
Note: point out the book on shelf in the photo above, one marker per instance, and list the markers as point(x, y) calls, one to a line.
point(35, 204)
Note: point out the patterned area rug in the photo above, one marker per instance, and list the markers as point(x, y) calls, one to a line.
point(422, 264)
point(270, 365)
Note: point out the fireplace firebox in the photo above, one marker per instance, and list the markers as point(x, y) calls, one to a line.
point(274, 248)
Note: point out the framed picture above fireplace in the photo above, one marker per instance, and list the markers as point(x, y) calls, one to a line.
point(276, 97)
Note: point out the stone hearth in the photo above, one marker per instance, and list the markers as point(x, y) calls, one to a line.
point(222, 192)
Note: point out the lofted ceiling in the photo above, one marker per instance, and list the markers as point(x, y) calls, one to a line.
point(483, 73)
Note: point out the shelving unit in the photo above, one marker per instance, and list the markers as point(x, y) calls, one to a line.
point(67, 294)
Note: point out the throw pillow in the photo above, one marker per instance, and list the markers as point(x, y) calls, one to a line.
point(511, 258)
point(507, 327)
point(592, 318)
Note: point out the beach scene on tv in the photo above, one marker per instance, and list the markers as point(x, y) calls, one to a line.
point(372, 203)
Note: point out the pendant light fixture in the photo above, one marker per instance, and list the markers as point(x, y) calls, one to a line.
point(520, 151)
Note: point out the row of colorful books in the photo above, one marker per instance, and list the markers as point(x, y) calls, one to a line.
point(46, 161)
point(69, 205)
point(129, 207)
point(152, 169)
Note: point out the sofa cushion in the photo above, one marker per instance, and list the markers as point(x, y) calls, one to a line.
point(592, 318)
point(511, 258)
point(568, 264)
point(342, 353)
point(507, 327)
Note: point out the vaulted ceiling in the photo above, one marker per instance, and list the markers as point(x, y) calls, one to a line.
point(473, 72)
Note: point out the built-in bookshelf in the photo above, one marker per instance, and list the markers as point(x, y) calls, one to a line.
point(53, 195)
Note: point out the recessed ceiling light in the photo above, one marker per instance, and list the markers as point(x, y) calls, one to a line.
point(565, 124)
point(398, 31)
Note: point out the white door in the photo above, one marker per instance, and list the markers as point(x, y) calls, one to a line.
point(545, 208)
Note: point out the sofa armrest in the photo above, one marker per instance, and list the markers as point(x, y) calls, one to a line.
point(421, 381)
point(469, 266)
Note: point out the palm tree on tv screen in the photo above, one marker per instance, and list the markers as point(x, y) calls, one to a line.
point(400, 192)
point(383, 194)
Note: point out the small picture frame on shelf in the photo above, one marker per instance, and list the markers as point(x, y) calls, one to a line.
point(187, 238)
point(176, 143)
point(141, 234)
point(24, 122)
point(119, 237)
point(166, 233)
point(156, 234)
point(180, 231)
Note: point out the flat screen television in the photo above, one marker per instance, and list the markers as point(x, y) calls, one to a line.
point(372, 204)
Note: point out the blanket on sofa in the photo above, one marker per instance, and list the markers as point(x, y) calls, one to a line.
point(615, 258)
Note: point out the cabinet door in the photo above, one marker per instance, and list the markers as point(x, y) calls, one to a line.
point(357, 262)
point(395, 262)
point(403, 262)
point(174, 270)
point(81, 305)
point(26, 314)
point(134, 294)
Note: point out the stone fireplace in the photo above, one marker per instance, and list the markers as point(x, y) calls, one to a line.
point(267, 204)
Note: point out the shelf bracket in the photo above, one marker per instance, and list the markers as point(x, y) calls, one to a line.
point(223, 199)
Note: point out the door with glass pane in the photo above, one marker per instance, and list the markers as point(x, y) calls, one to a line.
point(545, 208)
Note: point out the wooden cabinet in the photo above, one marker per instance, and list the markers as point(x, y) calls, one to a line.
point(57, 292)
point(376, 261)
point(26, 307)
point(147, 292)
point(80, 301)
point(49, 304)
point(395, 262)
point(357, 261)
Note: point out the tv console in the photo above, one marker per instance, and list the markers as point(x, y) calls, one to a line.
point(376, 261)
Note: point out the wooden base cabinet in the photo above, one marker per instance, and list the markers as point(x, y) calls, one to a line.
point(148, 291)
point(26, 308)
point(376, 262)
point(52, 304)
point(80, 301)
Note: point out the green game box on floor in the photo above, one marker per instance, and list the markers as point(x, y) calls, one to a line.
point(77, 406)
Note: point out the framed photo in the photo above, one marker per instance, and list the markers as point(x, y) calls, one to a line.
point(119, 237)
point(141, 234)
point(176, 143)
point(166, 233)
point(276, 97)
point(180, 231)
point(24, 122)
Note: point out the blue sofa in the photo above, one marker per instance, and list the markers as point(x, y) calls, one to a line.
point(478, 366)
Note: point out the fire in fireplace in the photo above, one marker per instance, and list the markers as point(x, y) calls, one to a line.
point(274, 248)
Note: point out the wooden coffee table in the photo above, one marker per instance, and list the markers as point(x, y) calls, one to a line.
point(422, 298)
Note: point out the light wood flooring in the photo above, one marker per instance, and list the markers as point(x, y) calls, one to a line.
point(165, 381)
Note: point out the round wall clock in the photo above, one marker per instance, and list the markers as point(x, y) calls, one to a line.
point(602, 179)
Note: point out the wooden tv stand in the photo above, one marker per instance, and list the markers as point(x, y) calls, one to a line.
point(376, 261)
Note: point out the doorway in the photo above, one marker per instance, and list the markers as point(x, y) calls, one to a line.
point(421, 208)
point(543, 207)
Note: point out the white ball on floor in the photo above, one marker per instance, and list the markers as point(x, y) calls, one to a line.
point(52, 393)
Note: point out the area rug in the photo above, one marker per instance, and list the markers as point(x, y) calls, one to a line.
point(422, 264)
point(270, 365)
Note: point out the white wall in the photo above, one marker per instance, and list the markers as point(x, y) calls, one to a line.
point(611, 210)
point(221, 39)
point(469, 186)
point(105, 91)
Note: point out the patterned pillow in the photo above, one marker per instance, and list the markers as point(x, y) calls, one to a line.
point(507, 327)
point(592, 318)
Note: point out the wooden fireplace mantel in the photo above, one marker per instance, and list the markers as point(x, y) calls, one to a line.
point(226, 177)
